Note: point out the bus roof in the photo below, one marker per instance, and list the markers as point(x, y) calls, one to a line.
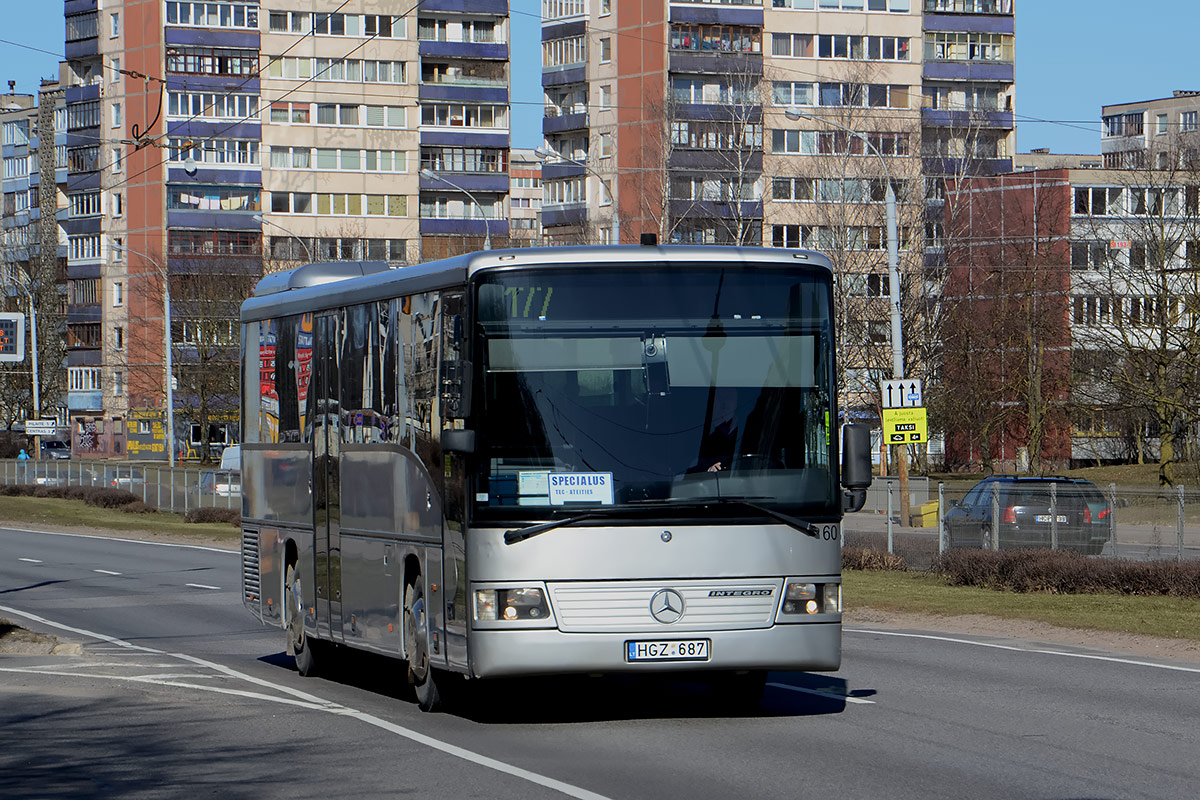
point(321, 285)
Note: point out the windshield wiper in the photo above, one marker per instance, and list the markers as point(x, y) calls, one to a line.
point(807, 528)
point(521, 534)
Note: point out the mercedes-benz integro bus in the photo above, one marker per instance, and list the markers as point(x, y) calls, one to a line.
point(550, 460)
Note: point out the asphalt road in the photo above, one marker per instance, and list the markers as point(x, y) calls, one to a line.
point(179, 691)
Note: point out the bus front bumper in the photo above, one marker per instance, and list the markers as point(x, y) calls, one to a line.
point(810, 647)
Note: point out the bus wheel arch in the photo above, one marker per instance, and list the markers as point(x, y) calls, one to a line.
point(416, 637)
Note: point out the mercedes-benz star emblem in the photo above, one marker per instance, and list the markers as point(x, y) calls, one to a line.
point(666, 606)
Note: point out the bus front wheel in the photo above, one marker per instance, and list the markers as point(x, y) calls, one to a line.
point(297, 643)
point(416, 647)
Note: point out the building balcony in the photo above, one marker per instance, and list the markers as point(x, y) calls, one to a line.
point(970, 23)
point(558, 215)
point(717, 160)
point(1000, 71)
point(498, 7)
point(744, 211)
point(563, 76)
point(726, 63)
point(493, 182)
point(747, 13)
point(555, 122)
point(463, 92)
point(973, 119)
point(464, 226)
point(485, 51)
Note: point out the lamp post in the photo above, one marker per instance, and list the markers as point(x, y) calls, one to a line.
point(487, 228)
point(259, 218)
point(170, 372)
point(893, 250)
point(548, 152)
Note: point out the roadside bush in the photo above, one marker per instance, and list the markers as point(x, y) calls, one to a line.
point(866, 558)
point(138, 507)
point(109, 498)
point(1061, 572)
point(16, 490)
point(233, 516)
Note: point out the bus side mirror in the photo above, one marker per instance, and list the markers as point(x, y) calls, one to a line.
point(455, 440)
point(856, 466)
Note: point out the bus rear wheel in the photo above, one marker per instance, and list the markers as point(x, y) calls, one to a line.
point(416, 647)
point(297, 643)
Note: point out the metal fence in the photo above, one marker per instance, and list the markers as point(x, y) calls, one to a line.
point(1142, 523)
point(178, 489)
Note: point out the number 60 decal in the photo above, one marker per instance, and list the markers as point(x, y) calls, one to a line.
point(829, 533)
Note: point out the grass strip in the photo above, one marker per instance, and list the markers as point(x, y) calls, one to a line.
point(75, 514)
point(922, 593)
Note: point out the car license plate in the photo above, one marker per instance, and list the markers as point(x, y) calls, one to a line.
point(1062, 518)
point(668, 650)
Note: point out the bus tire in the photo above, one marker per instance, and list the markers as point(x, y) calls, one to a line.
point(298, 643)
point(416, 647)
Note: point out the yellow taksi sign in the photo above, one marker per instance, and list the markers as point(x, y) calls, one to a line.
point(905, 426)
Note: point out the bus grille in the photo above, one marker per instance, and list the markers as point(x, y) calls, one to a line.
point(250, 568)
point(618, 606)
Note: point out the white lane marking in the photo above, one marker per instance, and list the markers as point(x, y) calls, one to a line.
point(29, 560)
point(224, 550)
point(819, 693)
point(1130, 661)
point(106, 572)
point(306, 700)
point(201, 586)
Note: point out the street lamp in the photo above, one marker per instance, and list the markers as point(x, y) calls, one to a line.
point(487, 229)
point(548, 152)
point(259, 218)
point(166, 351)
point(893, 248)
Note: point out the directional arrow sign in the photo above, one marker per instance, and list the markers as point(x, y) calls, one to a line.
point(902, 393)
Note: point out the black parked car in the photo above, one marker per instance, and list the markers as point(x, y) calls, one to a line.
point(1025, 515)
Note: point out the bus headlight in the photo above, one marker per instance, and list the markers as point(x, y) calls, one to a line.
point(526, 604)
point(801, 598)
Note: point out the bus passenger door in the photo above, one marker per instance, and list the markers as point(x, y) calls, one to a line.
point(454, 381)
point(327, 479)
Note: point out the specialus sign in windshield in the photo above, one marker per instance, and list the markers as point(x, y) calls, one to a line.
point(624, 387)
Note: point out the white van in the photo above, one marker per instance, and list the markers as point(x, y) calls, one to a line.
point(231, 457)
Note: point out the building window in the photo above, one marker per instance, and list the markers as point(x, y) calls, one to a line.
point(116, 69)
point(116, 115)
point(115, 24)
point(1187, 121)
point(118, 159)
point(606, 96)
point(1160, 124)
point(119, 338)
point(118, 294)
point(118, 383)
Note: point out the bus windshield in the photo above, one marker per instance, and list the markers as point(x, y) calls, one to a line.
point(614, 386)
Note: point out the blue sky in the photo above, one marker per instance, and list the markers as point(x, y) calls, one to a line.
point(1072, 57)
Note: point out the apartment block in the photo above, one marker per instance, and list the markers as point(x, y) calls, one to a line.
point(33, 247)
point(1067, 282)
point(208, 142)
point(1162, 133)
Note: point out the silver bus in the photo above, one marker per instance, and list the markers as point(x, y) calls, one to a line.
point(550, 460)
